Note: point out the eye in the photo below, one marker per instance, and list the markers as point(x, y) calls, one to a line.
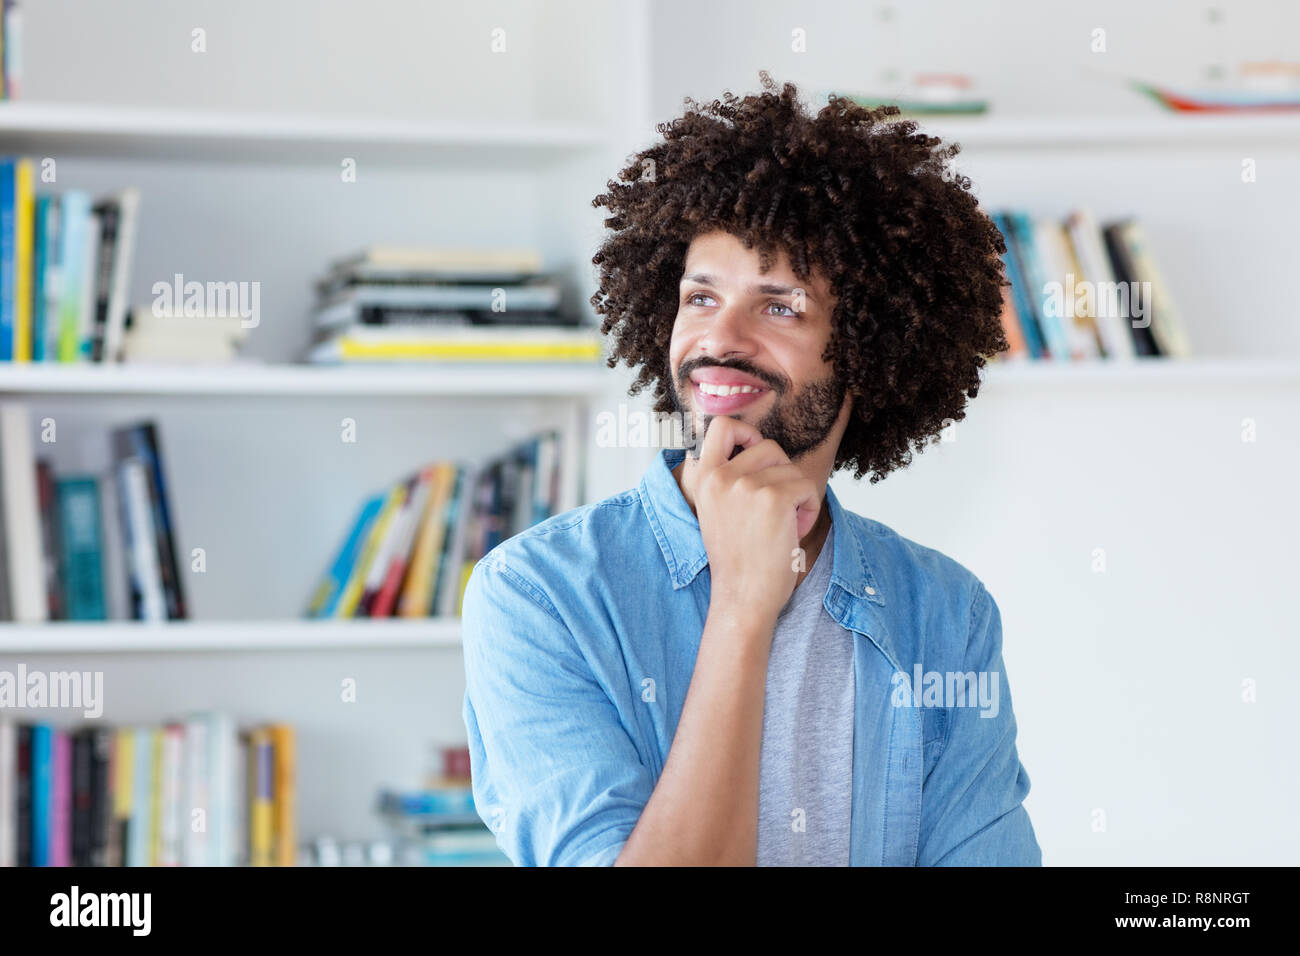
point(788, 313)
point(692, 296)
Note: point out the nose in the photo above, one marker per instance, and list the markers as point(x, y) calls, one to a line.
point(729, 333)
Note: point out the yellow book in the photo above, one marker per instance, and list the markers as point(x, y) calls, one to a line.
point(284, 796)
point(356, 585)
point(24, 226)
point(155, 794)
point(354, 348)
point(417, 593)
point(122, 783)
point(261, 820)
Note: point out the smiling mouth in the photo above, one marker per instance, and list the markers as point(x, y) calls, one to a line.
point(737, 397)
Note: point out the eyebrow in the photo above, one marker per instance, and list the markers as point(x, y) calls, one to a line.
point(762, 288)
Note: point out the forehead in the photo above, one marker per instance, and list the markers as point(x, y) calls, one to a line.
point(723, 256)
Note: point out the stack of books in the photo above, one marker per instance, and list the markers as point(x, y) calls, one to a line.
point(400, 304)
point(1080, 291)
point(194, 792)
point(411, 548)
point(65, 270)
point(86, 547)
point(438, 826)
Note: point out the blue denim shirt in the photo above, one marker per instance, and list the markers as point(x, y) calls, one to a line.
point(580, 638)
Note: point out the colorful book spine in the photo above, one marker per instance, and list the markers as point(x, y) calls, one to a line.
point(81, 548)
point(261, 823)
point(330, 590)
point(42, 777)
point(284, 777)
point(23, 216)
point(74, 223)
point(61, 799)
point(40, 241)
point(8, 197)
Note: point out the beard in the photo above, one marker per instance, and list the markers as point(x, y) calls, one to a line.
point(798, 422)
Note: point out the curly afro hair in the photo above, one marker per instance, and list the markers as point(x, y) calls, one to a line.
point(870, 202)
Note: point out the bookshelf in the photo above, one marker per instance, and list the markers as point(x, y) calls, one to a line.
point(246, 193)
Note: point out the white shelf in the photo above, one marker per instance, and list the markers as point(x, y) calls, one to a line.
point(1144, 371)
point(112, 637)
point(189, 134)
point(1115, 132)
point(504, 379)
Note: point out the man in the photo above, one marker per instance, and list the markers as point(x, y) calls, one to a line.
point(717, 667)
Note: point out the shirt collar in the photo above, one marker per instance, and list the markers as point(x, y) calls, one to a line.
point(853, 598)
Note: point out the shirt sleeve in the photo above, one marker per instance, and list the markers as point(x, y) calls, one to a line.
point(972, 811)
point(556, 775)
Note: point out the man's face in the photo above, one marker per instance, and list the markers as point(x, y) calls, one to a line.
point(737, 326)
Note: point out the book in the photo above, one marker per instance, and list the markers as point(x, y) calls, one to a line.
point(74, 226)
point(451, 261)
point(8, 200)
point(81, 548)
point(60, 819)
point(355, 588)
point(404, 537)
point(91, 239)
point(418, 592)
point(20, 513)
point(23, 215)
point(1033, 335)
point(51, 548)
point(8, 792)
point(329, 591)
point(123, 209)
point(284, 795)
point(505, 343)
point(148, 600)
point(42, 800)
point(261, 822)
point(1095, 266)
point(142, 443)
point(393, 532)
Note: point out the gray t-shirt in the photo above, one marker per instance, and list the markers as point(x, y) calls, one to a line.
point(805, 773)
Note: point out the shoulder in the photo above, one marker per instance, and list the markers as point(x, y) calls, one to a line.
point(564, 547)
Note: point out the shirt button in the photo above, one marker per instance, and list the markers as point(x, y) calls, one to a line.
point(871, 590)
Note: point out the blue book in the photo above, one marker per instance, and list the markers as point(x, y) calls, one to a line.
point(39, 258)
point(6, 259)
point(81, 545)
point(330, 589)
point(1019, 290)
point(42, 792)
point(1034, 270)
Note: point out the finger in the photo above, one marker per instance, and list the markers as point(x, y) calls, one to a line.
point(723, 436)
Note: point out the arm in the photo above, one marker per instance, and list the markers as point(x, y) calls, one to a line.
point(704, 810)
point(555, 773)
point(971, 803)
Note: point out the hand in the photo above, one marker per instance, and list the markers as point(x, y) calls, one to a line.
point(753, 511)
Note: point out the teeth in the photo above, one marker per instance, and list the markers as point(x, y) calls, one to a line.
point(725, 390)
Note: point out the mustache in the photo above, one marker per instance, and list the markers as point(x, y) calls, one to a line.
point(748, 368)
